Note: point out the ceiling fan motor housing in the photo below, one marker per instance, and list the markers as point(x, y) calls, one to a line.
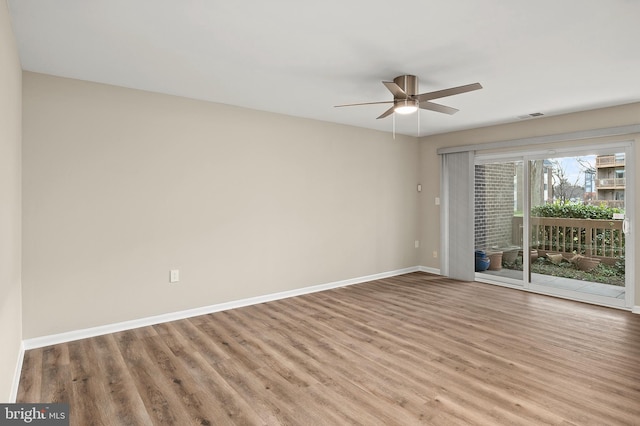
point(408, 83)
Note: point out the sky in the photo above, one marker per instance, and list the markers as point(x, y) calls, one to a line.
point(573, 169)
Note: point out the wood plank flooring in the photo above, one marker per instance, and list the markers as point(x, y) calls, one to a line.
point(413, 349)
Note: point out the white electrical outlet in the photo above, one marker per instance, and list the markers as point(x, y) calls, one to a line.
point(417, 244)
point(435, 254)
point(437, 201)
point(174, 276)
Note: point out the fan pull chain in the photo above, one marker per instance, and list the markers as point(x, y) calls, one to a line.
point(418, 112)
point(394, 125)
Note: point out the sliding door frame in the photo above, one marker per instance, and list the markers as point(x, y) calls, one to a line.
point(526, 153)
point(482, 159)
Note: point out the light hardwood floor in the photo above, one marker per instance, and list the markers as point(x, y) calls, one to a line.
point(413, 349)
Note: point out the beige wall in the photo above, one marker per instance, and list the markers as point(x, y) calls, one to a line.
point(10, 216)
point(120, 186)
point(430, 163)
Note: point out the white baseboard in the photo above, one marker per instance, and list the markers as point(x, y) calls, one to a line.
point(636, 309)
point(429, 270)
point(38, 342)
point(16, 375)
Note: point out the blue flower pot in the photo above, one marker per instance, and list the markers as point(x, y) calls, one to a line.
point(482, 261)
point(482, 264)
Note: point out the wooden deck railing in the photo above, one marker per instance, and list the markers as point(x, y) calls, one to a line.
point(589, 237)
point(603, 239)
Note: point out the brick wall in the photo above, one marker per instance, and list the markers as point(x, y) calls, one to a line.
point(494, 205)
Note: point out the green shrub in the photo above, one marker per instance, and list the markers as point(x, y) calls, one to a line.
point(620, 265)
point(574, 211)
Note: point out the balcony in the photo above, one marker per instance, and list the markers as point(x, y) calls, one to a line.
point(609, 161)
point(611, 183)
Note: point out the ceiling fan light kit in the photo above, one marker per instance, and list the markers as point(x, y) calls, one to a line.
point(406, 99)
point(405, 106)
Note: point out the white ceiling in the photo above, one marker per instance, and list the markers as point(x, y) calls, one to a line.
point(301, 58)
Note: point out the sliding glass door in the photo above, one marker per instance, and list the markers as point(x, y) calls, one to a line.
point(556, 223)
point(498, 219)
point(577, 225)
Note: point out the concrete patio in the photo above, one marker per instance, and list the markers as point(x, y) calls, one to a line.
point(588, 287)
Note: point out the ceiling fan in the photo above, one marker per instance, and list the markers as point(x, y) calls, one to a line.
point(406, 99)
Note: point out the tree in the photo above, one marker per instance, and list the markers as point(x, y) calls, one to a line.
point(537, 176)
point(586, 166)
point(564, 190)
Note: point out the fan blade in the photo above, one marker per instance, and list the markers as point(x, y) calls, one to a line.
point(438, 108)
point(448, 92)
point(366, 103)
point(387, 113)
point(397, 91)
